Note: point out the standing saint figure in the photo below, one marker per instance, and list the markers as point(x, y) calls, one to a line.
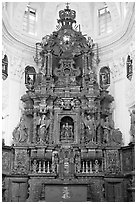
point(107, 129)
point(90, 127)
point(23, 130)
point(43, 130)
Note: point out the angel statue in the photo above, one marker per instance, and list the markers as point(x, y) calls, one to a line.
point(90, 125)
point(44, 126)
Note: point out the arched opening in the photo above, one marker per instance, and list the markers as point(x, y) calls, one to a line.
point(104, 76)
point(30, 75)
point(66, 129)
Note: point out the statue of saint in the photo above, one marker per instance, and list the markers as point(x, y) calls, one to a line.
point(90, 127)
point(20, 133)
point(30, 83)
point(23, 133)
point(67, 132)
point(43, 130)
point(16, 134)
point(107, 126)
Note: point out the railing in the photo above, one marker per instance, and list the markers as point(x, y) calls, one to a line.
point(89, 167)
point(43, 167)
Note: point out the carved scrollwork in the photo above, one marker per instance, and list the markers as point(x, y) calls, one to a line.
point(67, 73)
point(21, 163)
point(118, 68)
point(67, 103)
point(113, 162)
point(6, 161)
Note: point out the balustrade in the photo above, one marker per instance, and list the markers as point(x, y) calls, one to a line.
point(89, 167)
point(42, 166)
point(50, 167)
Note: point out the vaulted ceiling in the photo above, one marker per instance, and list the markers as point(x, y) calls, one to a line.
point(48, 14)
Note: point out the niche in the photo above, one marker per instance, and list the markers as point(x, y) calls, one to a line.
point(30, 75)
point(104, 77)
point(66, 129)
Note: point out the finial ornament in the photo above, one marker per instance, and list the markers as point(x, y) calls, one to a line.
point(67, 17)
point(67, 5)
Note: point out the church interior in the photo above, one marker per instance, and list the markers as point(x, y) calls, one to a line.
point(68, 101)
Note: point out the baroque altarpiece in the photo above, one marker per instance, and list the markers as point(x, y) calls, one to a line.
point(65, 147)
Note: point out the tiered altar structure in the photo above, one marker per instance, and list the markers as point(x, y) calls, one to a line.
point(65, 146)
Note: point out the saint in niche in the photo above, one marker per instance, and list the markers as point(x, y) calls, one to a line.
point(66, 132)
point(90, 125)
point(104, 77)
point(43, 130)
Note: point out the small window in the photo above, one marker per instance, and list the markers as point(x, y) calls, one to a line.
point(29, 23)
point(104, 16)
point(129, 67)
point(5, 67)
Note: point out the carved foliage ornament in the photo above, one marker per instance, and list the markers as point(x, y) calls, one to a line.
point(113, 162)
point(21, 163)
point(67, 73)
point(5, 161)
point(67, 103)
point(118, 68)
point(66, 41)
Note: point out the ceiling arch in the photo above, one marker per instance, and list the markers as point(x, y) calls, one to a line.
point(48, 14)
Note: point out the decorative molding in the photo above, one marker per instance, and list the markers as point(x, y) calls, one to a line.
point(118, 68)
point(21, 163)
point(6, 162)
point(16, 67)
point(113, 40)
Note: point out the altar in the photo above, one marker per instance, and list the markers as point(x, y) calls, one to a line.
point(65, 144)
point(65, 193)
